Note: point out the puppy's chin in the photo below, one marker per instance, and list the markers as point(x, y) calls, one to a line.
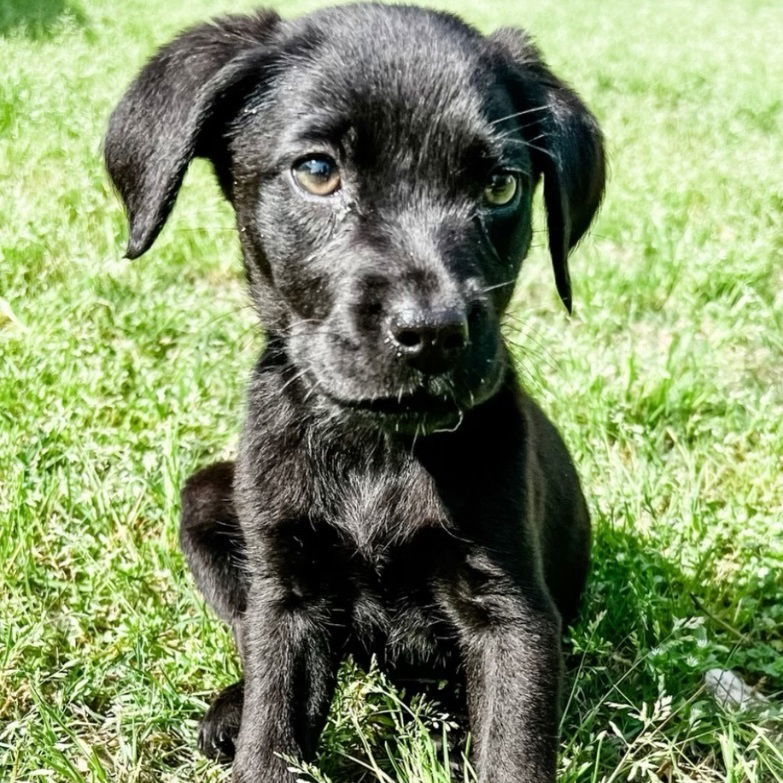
point(438, 405)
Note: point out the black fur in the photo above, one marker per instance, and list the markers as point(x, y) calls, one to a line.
point(396, 493)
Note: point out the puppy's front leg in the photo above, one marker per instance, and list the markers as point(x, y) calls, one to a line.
point(510, 642)
point(290, 665)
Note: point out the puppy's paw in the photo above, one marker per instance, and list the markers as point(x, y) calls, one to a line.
point(219, 727)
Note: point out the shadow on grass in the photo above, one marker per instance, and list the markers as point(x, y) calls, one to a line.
point(635, 661)
point(38, 19)
point(625, 647)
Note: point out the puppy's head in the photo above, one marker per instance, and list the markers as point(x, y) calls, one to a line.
point(381, 161)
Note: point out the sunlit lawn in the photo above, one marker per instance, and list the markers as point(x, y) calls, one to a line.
point(119, 378)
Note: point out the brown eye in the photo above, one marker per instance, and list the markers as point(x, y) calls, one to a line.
point(318, 175)
point(501, 189)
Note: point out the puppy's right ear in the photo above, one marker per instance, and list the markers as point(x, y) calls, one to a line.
point(177, 109)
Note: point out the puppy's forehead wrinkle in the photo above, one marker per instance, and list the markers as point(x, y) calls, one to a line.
point(316, 124)
point(399, 131)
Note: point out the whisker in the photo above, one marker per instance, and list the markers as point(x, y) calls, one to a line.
point(535, 147)
point(293, 378)
point(521, 113)
point(511, 132)
point(535, 347)
point(413, 442)
point(528, 377)
point(498, 285)
point(288, 329)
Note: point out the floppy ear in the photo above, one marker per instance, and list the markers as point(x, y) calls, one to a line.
point(178, 107)
point(566, 146)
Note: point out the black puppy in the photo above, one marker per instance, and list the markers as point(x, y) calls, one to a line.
point(396, 494)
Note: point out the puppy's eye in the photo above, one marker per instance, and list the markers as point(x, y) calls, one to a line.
point(318, 175)
point(500, 189)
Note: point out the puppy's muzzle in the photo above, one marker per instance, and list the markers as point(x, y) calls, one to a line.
point(429, 340)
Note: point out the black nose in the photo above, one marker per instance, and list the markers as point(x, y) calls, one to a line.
point(430, 340)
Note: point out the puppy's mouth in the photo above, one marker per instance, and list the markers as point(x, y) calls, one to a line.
point(421, 406)
point(418, 411)
point(418, 403)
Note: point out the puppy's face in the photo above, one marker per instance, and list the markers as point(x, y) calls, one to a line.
point(389, 215)
point(382, 163)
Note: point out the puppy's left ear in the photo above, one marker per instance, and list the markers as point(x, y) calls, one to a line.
point(565, 143)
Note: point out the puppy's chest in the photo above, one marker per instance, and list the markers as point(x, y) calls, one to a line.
point(379, 513)
point(392, 538)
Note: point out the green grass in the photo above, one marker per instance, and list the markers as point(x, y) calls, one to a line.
point(118, 378)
